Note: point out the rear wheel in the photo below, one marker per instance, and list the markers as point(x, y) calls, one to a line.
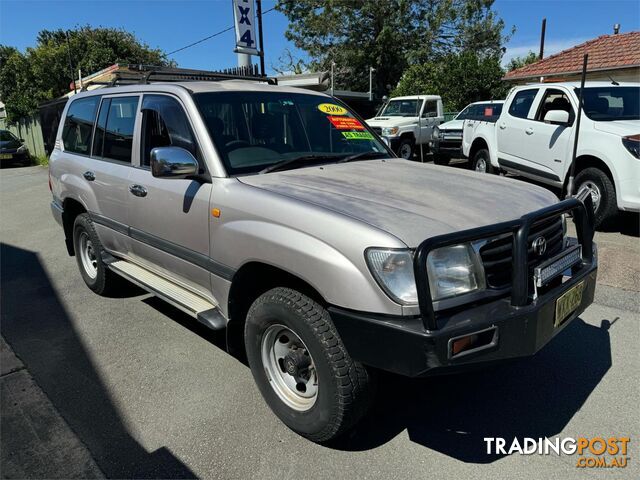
point(482, 162)
point(301, 366)
point(89, 255)
point(603, 193)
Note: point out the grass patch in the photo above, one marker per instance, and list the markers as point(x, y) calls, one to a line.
point(41, 160)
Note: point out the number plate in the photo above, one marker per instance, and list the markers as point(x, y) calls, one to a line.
point(567, 303)
point(5, 156)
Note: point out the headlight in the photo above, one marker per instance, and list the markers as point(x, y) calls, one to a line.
point(390, 131)
point(632, 143)
point(454, 271)
point(436, 133)
point(393, 270)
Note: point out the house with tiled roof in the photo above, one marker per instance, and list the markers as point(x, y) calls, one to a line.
point(615, 56)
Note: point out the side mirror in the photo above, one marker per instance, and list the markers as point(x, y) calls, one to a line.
point(173, 162)
point(557, 117)
point(21, 140)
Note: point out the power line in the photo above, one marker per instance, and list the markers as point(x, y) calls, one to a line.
point(211, 36)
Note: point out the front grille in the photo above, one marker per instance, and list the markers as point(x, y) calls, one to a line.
point(496, 255)
point(378, 130)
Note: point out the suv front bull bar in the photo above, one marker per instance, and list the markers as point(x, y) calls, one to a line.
point(581, 209)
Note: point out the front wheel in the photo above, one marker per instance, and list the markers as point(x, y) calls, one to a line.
point(406, 149)
point(301, 366)
point(482, 162)
point(603, 193)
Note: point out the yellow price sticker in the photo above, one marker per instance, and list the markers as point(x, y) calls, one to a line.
point(332, 109)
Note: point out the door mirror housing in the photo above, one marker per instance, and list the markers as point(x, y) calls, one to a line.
point(173, 162)
point(557, 117)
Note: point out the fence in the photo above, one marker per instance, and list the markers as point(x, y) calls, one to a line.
point(29, 130)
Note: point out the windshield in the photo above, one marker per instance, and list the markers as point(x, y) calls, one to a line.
point(6, 136)
point(480, 110)
point(255, 130)
point(402, 108)
point(611, 103)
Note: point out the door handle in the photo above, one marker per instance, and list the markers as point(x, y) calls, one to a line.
point(503, 126)
point(89, 176)
point(138, 190)
point(529, 131)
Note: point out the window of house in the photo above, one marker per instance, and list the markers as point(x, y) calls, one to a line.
point(78, 125)
point(522, 102)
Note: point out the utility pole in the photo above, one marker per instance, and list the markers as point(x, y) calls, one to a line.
point(542, 35)
point(333, 64)
point(260, 37)
point(371, 70)
point(73, 80)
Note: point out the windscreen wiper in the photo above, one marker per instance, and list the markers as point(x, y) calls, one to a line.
point(290, 162)
point(363, 156)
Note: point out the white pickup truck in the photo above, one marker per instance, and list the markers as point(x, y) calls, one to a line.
point(535, 134)
point(407, 122)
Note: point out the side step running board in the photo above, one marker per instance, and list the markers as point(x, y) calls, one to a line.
point(201, 309)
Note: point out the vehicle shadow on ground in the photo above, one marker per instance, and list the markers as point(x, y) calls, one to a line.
point(39, 330)
point(534, 397)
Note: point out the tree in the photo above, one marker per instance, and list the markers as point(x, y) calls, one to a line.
point(460, 78)
point(44, 71)
point(289, 64)
point(389, 35)
point(519, 62)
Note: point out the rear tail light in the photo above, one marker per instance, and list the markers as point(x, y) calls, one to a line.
point(50, 186)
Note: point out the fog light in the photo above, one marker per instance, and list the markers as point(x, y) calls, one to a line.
point(462, 344)
point(473, 342)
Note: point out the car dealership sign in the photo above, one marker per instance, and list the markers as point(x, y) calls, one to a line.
point(243, 15)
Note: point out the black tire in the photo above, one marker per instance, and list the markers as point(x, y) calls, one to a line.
point(104, 281)
point(406, 149)
point(607, 207)
point(481, 158)
point(441, 159)
point(343, 385)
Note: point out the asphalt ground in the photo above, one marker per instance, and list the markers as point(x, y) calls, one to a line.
point(149, 393)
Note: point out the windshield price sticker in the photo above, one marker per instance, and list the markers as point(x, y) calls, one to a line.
point(332, 109)
point(346, 123)
point(357, 135)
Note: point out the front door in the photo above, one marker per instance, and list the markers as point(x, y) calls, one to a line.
point(514, 128)
point(169, 218)
point(427, 120)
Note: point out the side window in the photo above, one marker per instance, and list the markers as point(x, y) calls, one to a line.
point(554, 100)
point(78, 125)
point(98, 136)
point(118, 133)
point(164, 123)
point(430, 109)
point(521, 103)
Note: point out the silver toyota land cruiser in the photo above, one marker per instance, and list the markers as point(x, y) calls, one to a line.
point(279, 215)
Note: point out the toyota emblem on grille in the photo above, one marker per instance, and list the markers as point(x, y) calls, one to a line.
point(539, 246)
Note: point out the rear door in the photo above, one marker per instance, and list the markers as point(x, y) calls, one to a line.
point(514, 127)
point(169, 218)
point(100, 151)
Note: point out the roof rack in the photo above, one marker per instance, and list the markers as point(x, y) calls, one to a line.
point(144, 74)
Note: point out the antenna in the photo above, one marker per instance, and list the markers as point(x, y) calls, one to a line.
point(572, 167)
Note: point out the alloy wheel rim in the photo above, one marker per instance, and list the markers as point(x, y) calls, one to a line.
point(289, 367)
point(405, 151)
point(481, 165)
point(88, 255)
point(594, 190)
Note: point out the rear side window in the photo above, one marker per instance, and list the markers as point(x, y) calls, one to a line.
point(521, 103)
point(118, 130)
point(164, 124)
point(78, 125)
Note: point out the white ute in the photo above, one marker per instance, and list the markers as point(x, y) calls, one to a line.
point(535, 135)
point(407, 122)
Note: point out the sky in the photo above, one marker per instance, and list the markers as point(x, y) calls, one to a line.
point(172, 24)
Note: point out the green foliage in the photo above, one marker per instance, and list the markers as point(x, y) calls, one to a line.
point(518, 62)
point(43, 72)
point(42, 160)
point(389, 35)
point(459, 78)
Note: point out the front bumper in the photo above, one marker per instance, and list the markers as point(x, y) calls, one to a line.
point(402, 345)
point(516, 325)
point(451, 147)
